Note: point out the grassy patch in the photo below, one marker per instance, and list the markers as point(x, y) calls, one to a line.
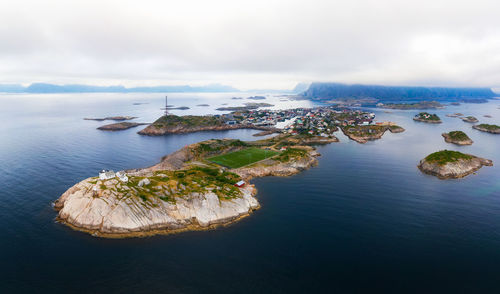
point(489, 127)
point(187, 121)
point(365, 131)
point(458, 136)
point(446, 156)
point(291, 153)
point(242, 157)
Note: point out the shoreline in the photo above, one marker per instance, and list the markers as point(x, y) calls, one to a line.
point(80, 210)
point(155, 232)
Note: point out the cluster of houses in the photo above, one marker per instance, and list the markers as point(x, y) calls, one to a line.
point(109, 174)
point(319, 121)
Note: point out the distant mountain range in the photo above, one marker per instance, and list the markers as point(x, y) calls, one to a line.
point(52, 88)
point(331, 91)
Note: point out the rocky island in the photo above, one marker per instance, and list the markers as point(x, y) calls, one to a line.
point(247, 106)
point(120, 126)
point(457, 137)
point(447, 164)
point(427, 118)
point(458, 114)
point(470, 119)
point(363, 134)
point(117, 118)
point(493, 129)
point(171, 107)
point(200, 186)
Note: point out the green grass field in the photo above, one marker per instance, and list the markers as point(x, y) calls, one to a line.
point(243, 157)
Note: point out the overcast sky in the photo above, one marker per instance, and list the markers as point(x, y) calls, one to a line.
point(251, 44)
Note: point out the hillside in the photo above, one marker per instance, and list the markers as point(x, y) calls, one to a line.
point(327, 91)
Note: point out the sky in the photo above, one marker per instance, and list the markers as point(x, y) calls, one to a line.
point(263, 44)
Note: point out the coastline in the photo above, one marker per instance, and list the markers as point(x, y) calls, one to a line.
point(110, 218)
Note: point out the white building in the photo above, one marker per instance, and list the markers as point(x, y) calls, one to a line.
point(122, 176)
point(106, 174)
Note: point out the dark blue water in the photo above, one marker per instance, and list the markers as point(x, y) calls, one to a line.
point(364, 220)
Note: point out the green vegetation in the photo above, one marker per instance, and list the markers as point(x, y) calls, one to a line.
point(187, 121)
point(458, 136)
point(242, 157)
point(489, 127)
point(365, 131)
point(428, 116)
point(446, 156)
point(168, 185)
point(291, 153)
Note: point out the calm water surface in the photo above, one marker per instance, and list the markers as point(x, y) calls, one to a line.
point(364, 220)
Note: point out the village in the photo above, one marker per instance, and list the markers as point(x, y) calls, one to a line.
point(319, 121)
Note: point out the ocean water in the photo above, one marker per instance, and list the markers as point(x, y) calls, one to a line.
point(364, 220)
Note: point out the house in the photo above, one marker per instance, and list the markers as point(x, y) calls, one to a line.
point(106, 174)
point(240, 184)
point(283, 148)
point(122, 176)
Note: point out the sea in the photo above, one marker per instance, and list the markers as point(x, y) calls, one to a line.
point(365, 220)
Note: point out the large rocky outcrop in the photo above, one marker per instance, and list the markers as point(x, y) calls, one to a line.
point(455, 169)
point(108, 213)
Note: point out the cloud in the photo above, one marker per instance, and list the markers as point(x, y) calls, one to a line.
point(251, 43)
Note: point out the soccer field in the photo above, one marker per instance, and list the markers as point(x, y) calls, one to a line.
point(243, 157)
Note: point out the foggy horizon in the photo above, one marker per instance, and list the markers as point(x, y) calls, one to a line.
point(250, 45)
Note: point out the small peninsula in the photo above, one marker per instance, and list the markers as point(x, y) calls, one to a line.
point(447, 164)
point(363, 134)
point(173, 124)
point(200, 186)
point(457, 137)
point(493, 129)
point(427, 118)
point(120, 126)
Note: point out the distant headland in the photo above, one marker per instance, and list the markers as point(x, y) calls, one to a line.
point(377, 93)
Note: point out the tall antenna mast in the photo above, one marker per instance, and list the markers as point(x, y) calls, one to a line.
point(166, 105)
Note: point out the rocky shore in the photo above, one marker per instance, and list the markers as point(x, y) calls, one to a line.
point(447, 164)
point(363, 134)
point(152, 130)
point(182, 192)
point(112, 214)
